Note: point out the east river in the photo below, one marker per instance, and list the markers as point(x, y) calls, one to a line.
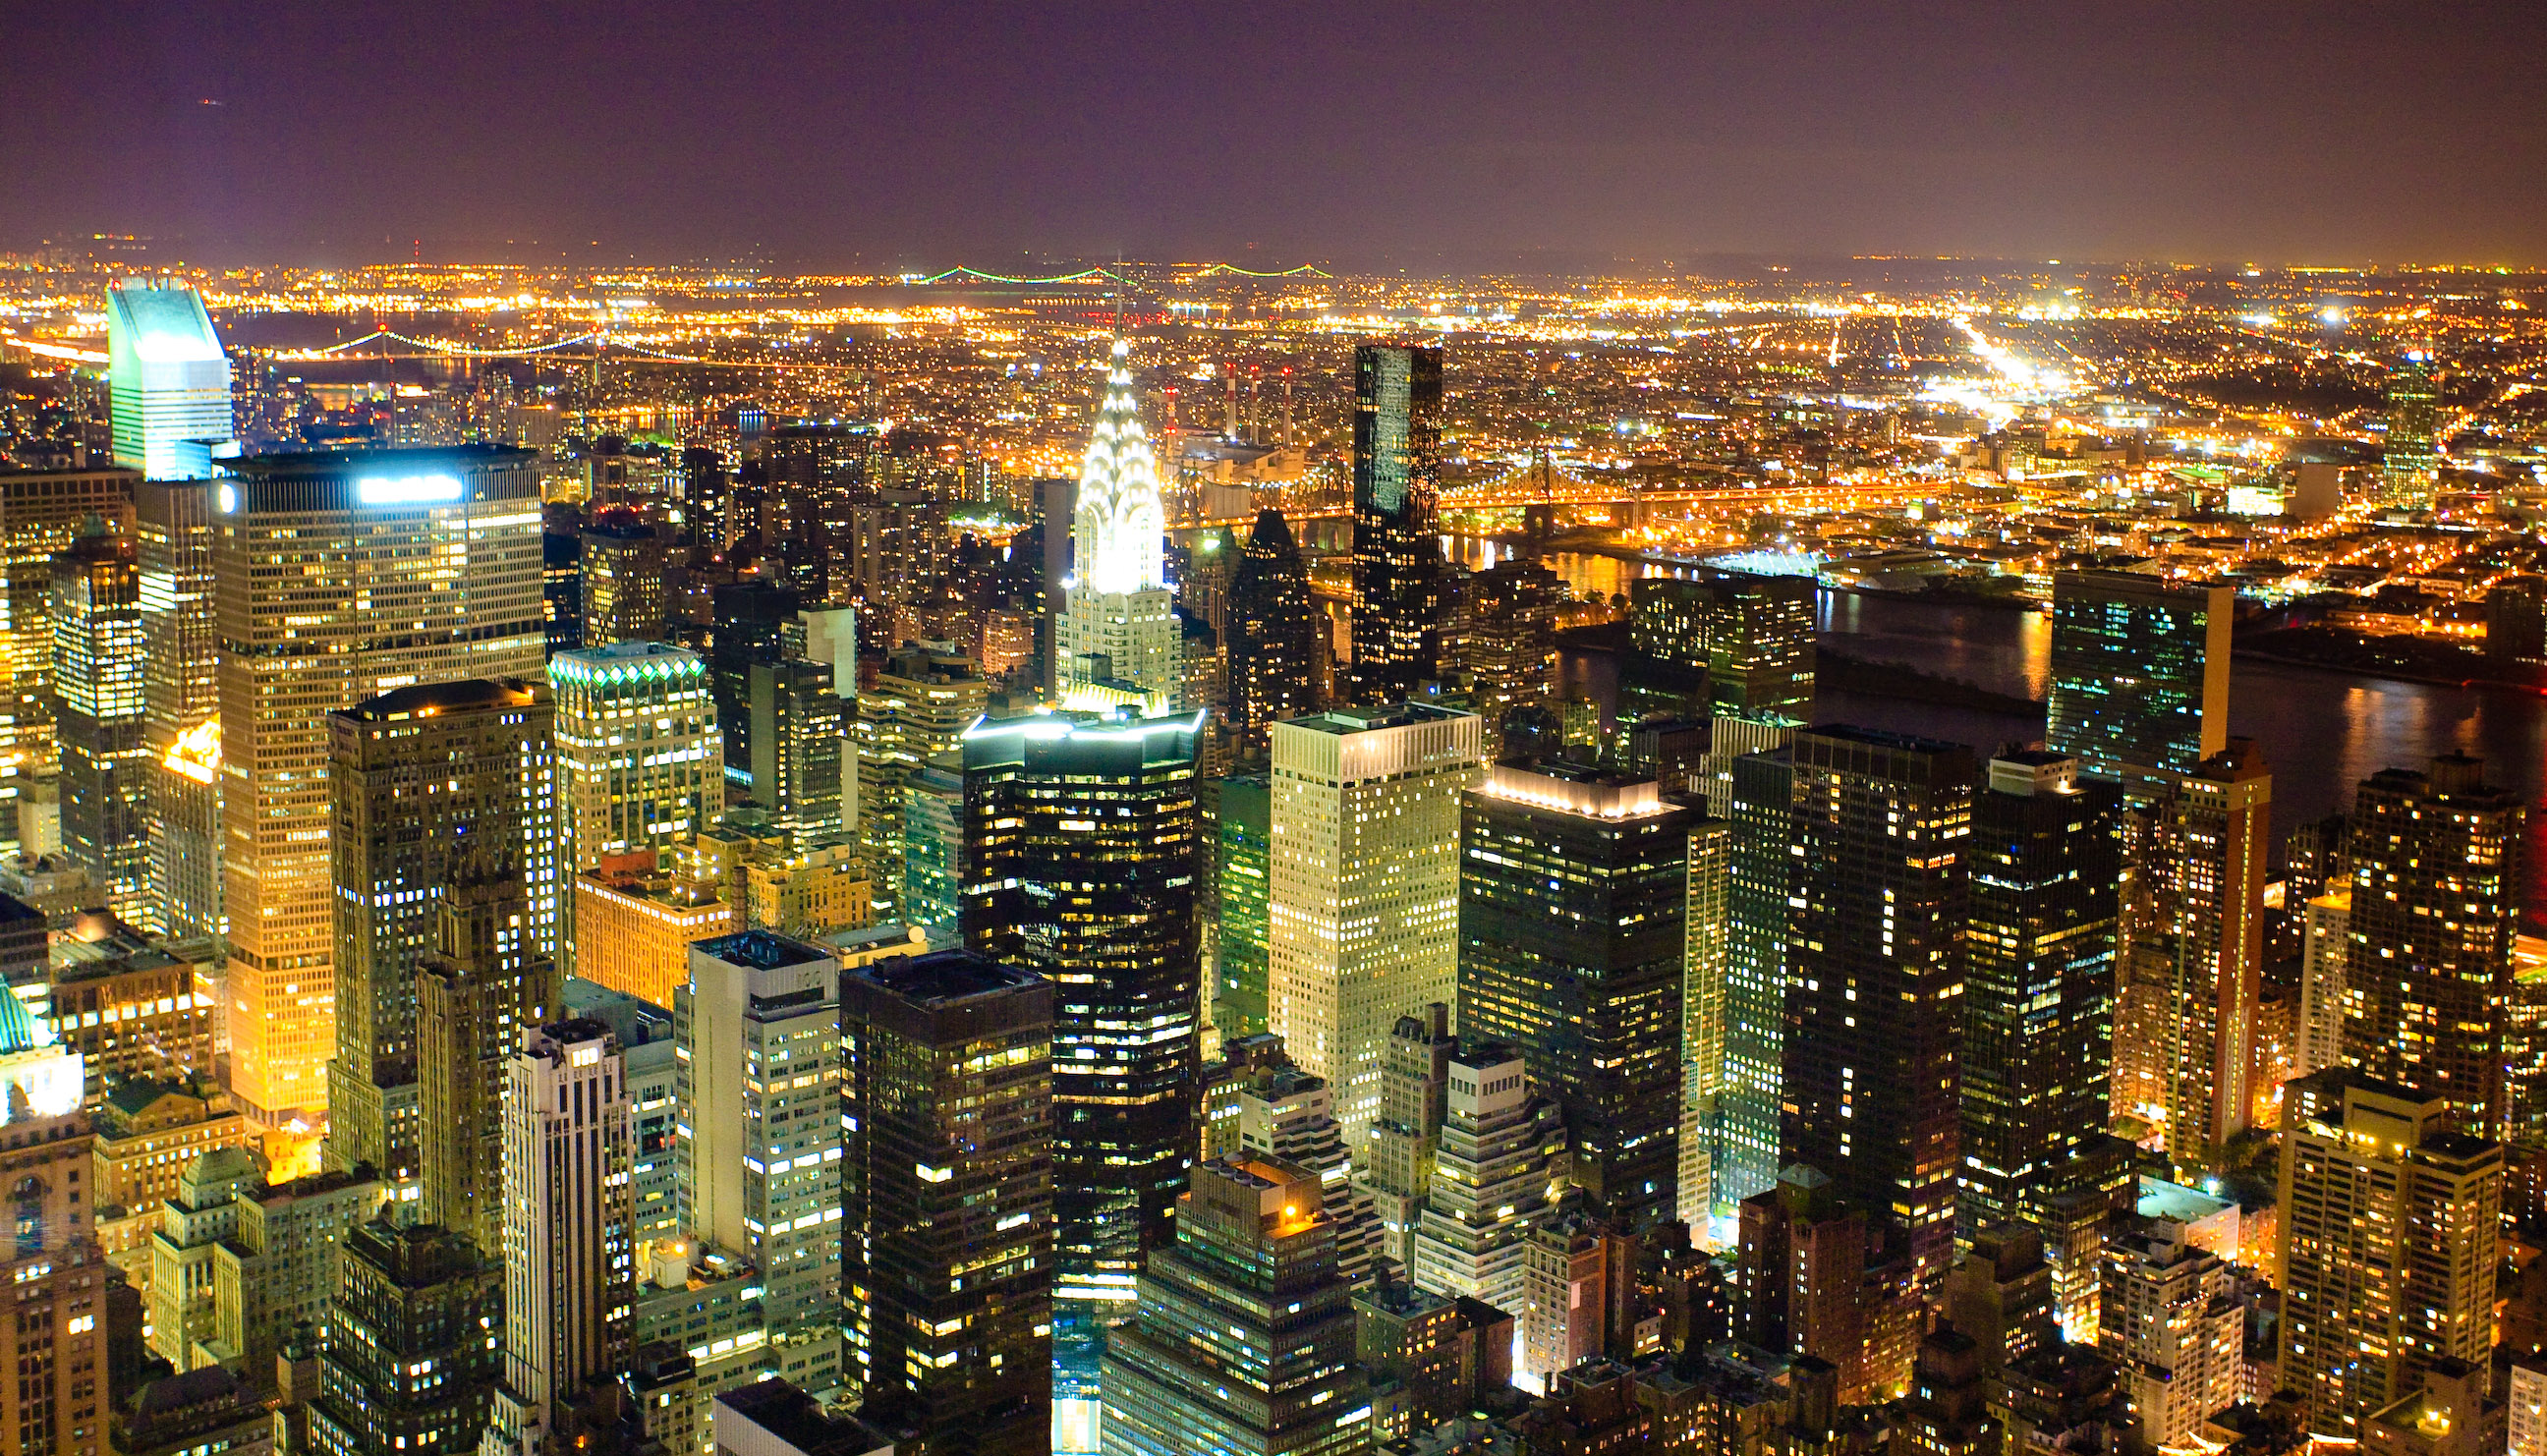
point(2320, 732)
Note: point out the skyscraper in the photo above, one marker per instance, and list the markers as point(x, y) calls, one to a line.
point(174, 524)
point(640, 759)
point(1119, 630)
point(1397, 551)
point(1081, 852)
point(1752, 632)
point(946, 1191)
point(622, 560)
point(2435, 907)
point(1245, 830)
point(2412, 464)
point(2190, 957)
point(2386, 1261)
point(1707, 919)
point(1875, 980)
point(412, 567)
point(1273, 631)
point(2171, 1318)
point(1498, 1166)
point(2140, 675)
point(1243, 1339)
point(170, 381)
point(1759, 869)
point(759, 1089)
point(1398, 1163)
point(481, 982)
point(912, 714)
point(100, 702)
point(570, 1256)
point(1364, 902)
point(1573, 885)
point(2038, 987)
point(411, 1354)
point(800, 731)
point(434, 786)
point(42, 513)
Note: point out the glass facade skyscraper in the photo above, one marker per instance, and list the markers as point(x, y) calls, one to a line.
point(1398, 568)
point(169, 382)
point(1753, 634)
point(1272, 631)
point(1761, 813)
point(1246, 835)
point(2140, 675)
point(100, 702)
point(1572, 888)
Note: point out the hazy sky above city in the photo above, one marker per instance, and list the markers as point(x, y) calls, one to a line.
point(1366, 134)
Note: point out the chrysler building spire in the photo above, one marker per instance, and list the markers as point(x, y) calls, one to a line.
point(1121, 523)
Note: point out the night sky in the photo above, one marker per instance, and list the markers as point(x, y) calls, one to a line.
point(1378, 132)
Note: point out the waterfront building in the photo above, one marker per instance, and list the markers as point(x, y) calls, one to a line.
point(1243, 1338)
point(1272, 632)
point(1398, 569)
point(482, 981)
point(1573, 886)
point(2192, 952)
point(2387, 1247)
point(434, 786)
point(2038, 987)
point(1875, 1008)
point(946, 1194)
point(2434, 908)
point(169, 380)
point(1117, 631)
point(419, 566)
point(1754, 634)
point(2140, 675)
point(1081, 854)
point(640, 759)
point(100, 695)
point(759, 1089)
point(1364, 900)
point(410, 1351)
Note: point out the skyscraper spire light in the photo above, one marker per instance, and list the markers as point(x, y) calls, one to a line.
point(1120, 521)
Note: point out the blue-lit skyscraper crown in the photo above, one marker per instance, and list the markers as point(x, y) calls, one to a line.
point(170, 381)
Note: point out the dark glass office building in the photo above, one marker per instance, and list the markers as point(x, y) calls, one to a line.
point(1398, 567)
point(1874, 1012)
point(1273, 627)
point(1239, 1002)
point(410, 1356)
point(1572, 888)
point(2140, 675)
point(2038, 988)
point(1744, 1147)
point(947, 1197)
point(1752, 634)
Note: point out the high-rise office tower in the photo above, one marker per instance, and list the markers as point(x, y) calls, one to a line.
point(2386, 1259)
point(623, 566)
point(411, 1352)
point(100, 700)
point(1573, 886)
point(1243, 1341)
point(1081, 855)
point(2171, 1318)
point(2190, 956)
point(1706, 917)
point(1397, 550)
point(1285, 1113)
point(932, 847)
point(1273, 631)
point(481, 981)
point(173, 529)
point(1362, 913)
point(569, 1256)
point(170, 381)
point(42, 513)
point(2412, 467)
point(749, 622)
point(640, 759)
point(1397, 1161)
point(561, 590)
point(433, 786)
point(2046, 856)
point(946, 1196)
point(1753, 634)
point(2140, 675)
point(1245, 830)
point(2435, 907)
point(1760, 869)
point(415, 566)
point(912, 714)
point(1874, 1012)
point(1506, 631)
point(800, 732)
point(1498, 1167)
point(1118, 630)
point(59, 1401)
point(759, 1089)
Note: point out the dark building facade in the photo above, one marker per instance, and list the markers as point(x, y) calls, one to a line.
point(1272, 628)
point(2038, 987)
point(410, 1355)
point(1572, 889)
point(1244, 874)
point(946, 1196)
point(1875, 975)
point(1752, 634)
point(1398, 567)
point(2140, 675)
point(100, 701)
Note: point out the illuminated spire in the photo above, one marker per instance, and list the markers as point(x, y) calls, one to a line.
point(1117, 534)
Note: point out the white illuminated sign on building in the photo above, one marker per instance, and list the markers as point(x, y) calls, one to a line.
point(406, 490)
